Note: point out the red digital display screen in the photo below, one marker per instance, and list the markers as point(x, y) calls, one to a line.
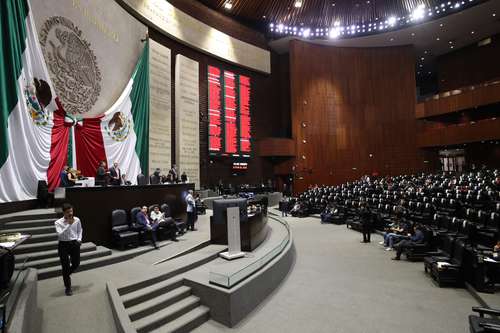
point(245, 126)
point(214, 110)
point(230, 113)
point(229, 116)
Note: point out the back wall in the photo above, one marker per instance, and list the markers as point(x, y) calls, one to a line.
point(353, 112)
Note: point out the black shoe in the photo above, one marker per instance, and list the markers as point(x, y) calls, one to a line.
point(396, 258)
point(175, 240)
point(68, 291)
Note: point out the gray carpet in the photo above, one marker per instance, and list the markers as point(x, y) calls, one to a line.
point(340, 285)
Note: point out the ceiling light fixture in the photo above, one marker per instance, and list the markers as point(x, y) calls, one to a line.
point(298, 4)
point(418, 13)
point(228, 5)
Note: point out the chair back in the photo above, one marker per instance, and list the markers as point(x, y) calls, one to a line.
point(141, 179)
point(166, 210)
point(133, 214)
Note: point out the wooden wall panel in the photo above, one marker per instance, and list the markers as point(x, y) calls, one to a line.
point(459, 134)
point(462, 99)
point(469, 65)
point(353, 112)
point(276, 147)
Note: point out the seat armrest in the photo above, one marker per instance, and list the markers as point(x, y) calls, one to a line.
point(482, 311)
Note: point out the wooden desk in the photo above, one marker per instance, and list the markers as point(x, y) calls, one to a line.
point(93, 205)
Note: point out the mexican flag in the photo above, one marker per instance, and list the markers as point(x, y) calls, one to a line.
point(121, 134)
point(27, 105)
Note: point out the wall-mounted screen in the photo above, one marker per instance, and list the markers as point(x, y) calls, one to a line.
point(229, 113)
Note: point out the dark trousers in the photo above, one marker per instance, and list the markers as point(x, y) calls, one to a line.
point(191, 218)
point(401, 246)
point(69, 254)
point(367, 231)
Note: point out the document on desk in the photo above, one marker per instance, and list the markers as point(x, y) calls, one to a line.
point(490, 260)
point(441, 264)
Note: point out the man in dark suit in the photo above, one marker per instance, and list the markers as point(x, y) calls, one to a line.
point(115, 175)
point(366, 222)
point(147, 225)
point(101, 177)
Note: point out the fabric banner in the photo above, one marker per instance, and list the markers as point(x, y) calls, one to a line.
point(27, 103)
point(122, 133)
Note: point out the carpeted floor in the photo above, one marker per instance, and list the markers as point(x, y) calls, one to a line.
point(340, 285)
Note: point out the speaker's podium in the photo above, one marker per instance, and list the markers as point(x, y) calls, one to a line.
point(238, 219)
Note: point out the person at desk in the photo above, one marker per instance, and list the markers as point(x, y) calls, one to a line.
point(101, 177)
point(174, 174)
point(155, 178)
point(417, 238)
point(184, 177)
point(66, 177)
point(115, 175)
point(148, 225)
point(69, 232)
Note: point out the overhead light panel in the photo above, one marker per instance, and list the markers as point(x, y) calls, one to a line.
point(418, 13)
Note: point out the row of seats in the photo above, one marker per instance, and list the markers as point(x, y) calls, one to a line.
point(127, 232)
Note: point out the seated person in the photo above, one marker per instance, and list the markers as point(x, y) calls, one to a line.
point(394, 234)
point(159, 217)
point(148, 225)
point(417, 238)
point(155, 178)
point(67, 178)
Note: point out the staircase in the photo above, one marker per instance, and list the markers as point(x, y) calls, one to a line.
point(166, 306)
point(162, 303)
point(40, 251)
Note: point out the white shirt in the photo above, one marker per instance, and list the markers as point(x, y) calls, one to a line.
point(156, 216)
point(190, 203)
point(68, 232)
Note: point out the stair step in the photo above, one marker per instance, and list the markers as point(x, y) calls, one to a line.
point(36, 247)
point(151, 291)
point(166, 315)
point(34, 214)
point(187, 322)
point(40, 238)
point(50, 262)
point(31, 230)
point(114, 258)
point(29, 224)
point(155, 304)
point(86, 247)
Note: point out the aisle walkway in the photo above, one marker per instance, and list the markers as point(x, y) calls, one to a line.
point(339, 285)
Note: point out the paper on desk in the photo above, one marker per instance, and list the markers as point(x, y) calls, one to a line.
point(490, 260)
point(441, 264)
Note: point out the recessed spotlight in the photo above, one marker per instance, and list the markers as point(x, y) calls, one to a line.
point(392, 39)
point(425, 52)
point(472, 32)
point(391, 21)
point(422, 58)
point(298, 4)
point(441, 25)
point(494, 14)
point(413, 34)
point(228, 5)
point(437, 38)
point(450, 42)
point(452, 47)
